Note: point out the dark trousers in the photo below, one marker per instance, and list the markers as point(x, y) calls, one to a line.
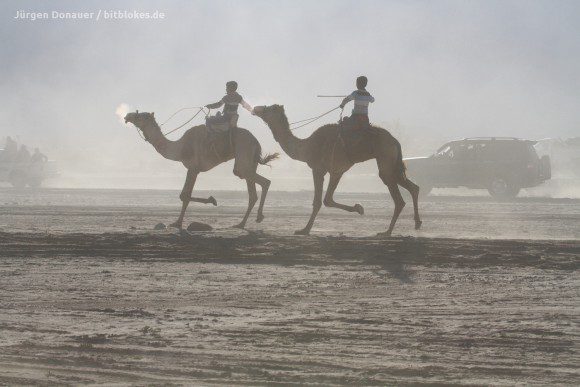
point(359, 121)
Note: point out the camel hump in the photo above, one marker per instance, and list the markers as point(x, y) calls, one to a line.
point(364, 144)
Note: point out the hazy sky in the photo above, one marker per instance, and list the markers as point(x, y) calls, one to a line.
point(440, 69)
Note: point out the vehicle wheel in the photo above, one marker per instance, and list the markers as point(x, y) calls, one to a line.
point(18, 180)
point(502, 188)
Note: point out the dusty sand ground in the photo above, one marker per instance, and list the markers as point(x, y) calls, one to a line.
point(99, 211)
point(89, 294)
point(261, 309)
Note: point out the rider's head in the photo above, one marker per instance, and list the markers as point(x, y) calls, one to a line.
point(361, 82)
point(231, 86)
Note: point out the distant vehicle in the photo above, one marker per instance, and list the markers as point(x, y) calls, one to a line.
point(501, 165)
point(30, 174)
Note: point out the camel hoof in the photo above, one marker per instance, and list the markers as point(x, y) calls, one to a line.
point(302, 232)
point(418, 224)
point(212, 200)
point(239, 226)
point(259, 218)
point(358, 208)
point(384, 234)
point(176, 225)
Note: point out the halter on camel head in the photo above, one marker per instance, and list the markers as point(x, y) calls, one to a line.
point(138, 119)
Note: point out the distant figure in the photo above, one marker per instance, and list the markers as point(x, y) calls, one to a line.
point(10, 150)
point(230, 101)
point(11, 145)
point(361, 98)
point(23, 155)
point(39, 157)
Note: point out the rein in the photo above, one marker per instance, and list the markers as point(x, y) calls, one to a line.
point(140, 135)
point(201, 109)
point(308, 121)
point(180, 110)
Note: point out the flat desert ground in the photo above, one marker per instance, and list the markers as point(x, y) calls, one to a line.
point(486, 293)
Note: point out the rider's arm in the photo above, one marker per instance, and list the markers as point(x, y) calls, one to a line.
point(246, 105)
point(215, 105)
point(346, 100)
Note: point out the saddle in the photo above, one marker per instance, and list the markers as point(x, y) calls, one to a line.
point(355, 122)
point(357, 135)
point(220, 133)
point(222, 123)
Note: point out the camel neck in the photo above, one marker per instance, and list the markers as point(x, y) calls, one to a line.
point(169, 149)
point(292, 145)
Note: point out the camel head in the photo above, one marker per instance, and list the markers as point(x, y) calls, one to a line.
point(139, 119)
point(275, 117)
point(272, 114)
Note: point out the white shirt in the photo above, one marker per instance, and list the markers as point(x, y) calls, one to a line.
point(361, 99)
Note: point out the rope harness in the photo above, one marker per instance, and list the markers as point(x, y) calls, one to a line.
point(201, 109)
point(304, 122)
point(310, 120)
point(140, 135)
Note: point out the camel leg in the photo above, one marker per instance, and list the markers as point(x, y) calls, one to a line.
point(329, 197)
point(316, 204)
point(265, 184)
point(391, 184)
point(414, 191)
point(252, 199)
point(185, 196)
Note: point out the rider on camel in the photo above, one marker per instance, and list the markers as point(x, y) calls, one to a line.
point(230, 101)
point(361, 98)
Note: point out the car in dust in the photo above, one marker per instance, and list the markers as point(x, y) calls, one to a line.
point(30, 174)
point(502, 165)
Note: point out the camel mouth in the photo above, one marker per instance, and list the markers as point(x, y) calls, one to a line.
point(259, 110)
point(129, 117)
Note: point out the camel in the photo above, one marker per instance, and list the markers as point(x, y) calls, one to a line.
point(328, 151)
point(201, 149)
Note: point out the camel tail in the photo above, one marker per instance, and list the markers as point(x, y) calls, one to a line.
point(269, 157)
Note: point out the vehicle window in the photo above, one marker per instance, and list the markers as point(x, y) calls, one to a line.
point(463, 151)
point(481, 151)
point(445, 152)
point(532, 154)
point(471, 151)
point(505, 151)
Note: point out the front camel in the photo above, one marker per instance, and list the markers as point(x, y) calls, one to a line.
point(200, 150)
point(326, 151)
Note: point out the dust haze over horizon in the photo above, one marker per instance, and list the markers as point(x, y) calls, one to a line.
point(438, 70)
